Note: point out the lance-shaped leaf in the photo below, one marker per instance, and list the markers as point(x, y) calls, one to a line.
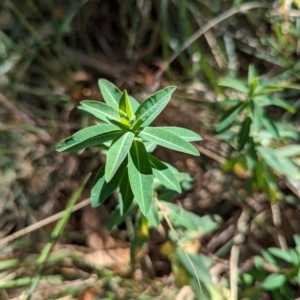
point(167, 139)
point(89, 137)
point(152, 107)
point(100, 110)
point(252, 73)
point(125, 105)
point(234, 84)
point(125, 194)
point(266, 100)
point(111, 94)
point(101, 189)
point(282, 164)
point(153, 216)
point(140, 176)
point(257, 116)
point(229, 117)
point(164, 174)
point(288, 151)
point(244, 133)
point(134, 103)
point(117, 152)
point(116, 218)
point(183, 133)
point(271, 127)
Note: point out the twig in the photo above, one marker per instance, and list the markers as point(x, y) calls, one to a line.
point(242, 230)
point(233, 266)
point(41, 223)
point(211, 154)
point(276, 215)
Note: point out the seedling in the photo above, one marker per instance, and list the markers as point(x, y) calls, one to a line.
point(259, 144)
point(124, 129)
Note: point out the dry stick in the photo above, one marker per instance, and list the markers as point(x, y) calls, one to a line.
point(242, 230)
point(233, 267)
point(41, 223)
point(210, 24)
point(276, 215)
point(211, 154)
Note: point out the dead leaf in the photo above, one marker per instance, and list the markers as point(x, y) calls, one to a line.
point(110, 252)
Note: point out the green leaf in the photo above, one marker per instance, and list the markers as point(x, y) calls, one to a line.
point(111, 94)
point(116, 218)
point(259, 263)
point(267, 90)
point(251, 155)
point(140, 176)
point(125, 105)
point(229, 117)
point(101, 190)
point(140, 237)
point(266, 100)
point(273, 282)
point(164, 174)
point(271, 127)
point(268, 257)
point(152, 107)
point(117, 152)
point(89, 137)
point(100, 110)
point(134, 104)
point(234, 84)
point(244, 133)
point(294, 257)
point(282, 254)
point(288, 151)
point(153, 217)
point(297, 240)
point(167, 139)
point(183, 133)
point(150, 147)
point(257, 116)
point(252, 73)
point(125, 194)
point(282, 164)
point(181, 218)
point(196, 265)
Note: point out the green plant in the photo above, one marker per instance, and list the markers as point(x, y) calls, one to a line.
point(125, 131)
point(139, 176)
point(276, 271)
point(258, 144)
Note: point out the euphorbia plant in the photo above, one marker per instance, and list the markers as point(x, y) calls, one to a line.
point(123, 127)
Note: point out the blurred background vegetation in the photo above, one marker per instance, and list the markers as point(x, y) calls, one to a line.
point(51, 55)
